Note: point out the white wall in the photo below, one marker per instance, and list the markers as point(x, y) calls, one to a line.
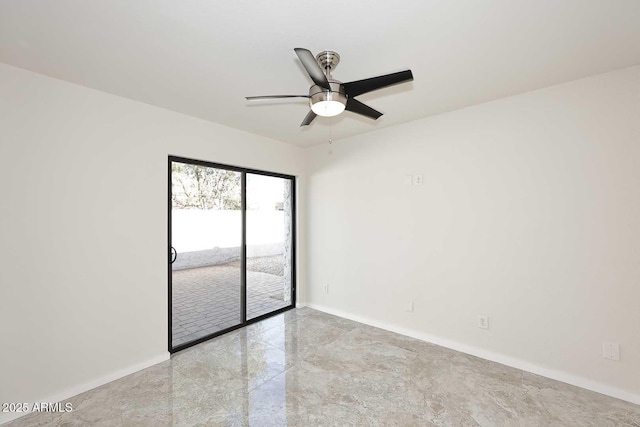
point(530, 213)
point(83, 282)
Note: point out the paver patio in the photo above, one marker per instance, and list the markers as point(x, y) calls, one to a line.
point(207, 299)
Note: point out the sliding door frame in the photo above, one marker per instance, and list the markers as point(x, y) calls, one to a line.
point(243, 248)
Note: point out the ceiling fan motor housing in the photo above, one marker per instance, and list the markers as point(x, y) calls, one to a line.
point(328, 103)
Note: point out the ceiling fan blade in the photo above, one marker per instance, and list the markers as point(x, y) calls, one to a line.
point(308, 119)
point(358, 107)
point(374, 83)
point(253, 98)
point(312, 67)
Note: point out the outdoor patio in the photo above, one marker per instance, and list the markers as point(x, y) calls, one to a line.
point(207, 299)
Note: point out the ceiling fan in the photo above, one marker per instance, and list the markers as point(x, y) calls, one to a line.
point(329, 97)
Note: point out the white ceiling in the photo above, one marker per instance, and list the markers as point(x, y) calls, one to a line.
point(202, 57)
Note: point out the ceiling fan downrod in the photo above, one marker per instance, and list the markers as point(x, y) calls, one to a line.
point(328, 61)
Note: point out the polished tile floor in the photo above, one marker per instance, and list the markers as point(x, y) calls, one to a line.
point(307, 368)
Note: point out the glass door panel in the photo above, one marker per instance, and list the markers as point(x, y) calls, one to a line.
point(206, 243)
point(269, 225)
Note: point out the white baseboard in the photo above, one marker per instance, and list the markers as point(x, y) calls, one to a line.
point(81, 388)
point(494, 357)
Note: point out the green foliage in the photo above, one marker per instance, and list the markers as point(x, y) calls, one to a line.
point(200, 187)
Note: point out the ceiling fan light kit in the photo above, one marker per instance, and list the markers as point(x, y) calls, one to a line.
point(327, 103)
point(329, 97)
point(328, 108)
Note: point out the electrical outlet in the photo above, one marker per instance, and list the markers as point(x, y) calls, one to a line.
point(611, 350)
point(418, 179)
point(325, 288)
point(408, 306)
point(483, 321)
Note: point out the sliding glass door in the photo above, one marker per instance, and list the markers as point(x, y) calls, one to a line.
point(269, 244)
point(231, 246)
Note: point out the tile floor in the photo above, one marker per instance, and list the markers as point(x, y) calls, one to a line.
point(207, 299)
point(307, 368)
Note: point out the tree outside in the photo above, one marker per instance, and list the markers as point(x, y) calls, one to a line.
point(200, 187)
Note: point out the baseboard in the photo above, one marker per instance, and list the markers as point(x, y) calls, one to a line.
point(488, 355)
point(81, 388)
